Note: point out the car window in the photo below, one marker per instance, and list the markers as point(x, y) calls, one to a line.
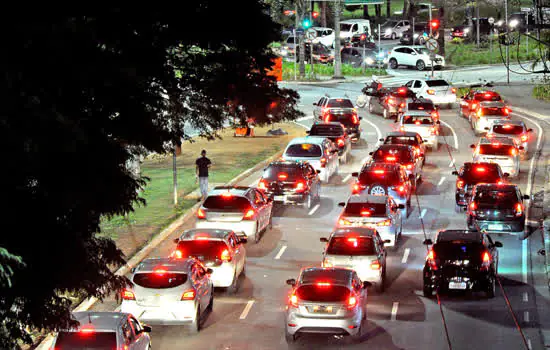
point(340, 103)
point(472, 174)
point(508, 129)
point(421, 106)
point(159, 280)
point(418, 120)
point(486, 96)
point(401, 50)
point(498, 111)
point(355, 27)
point(409, 84)
point(290, 40)
point(493, 198)
point(458, 250)
point(401, 140)
point(417, 84)
point(305, 150)
point(202, 249)
point(380, 176)
point(351, 246)
point(326, 130)
point(92, 340)
point(422, 51)
point(259, 199)
point(365, 209)
point(436, 83)
point(497, 149)
point(323, 292)
point(399, 155)
point(279, 172)
point(219, 202)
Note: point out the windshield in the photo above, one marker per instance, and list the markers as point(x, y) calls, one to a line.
point(401, 140)
point(365, 209)
point(473, 174)
point(345, 27)
point(497, 150)
point(226, 203)
point(351, 246)
point(379, 176)
point(493, 198)
point(418, 120)
point(401, 155)
point(436, 83)
point(340, 103)
point(458, 250)
point(86, 340)
point(508, 129)
point(281, 173)
point(422, 51)
point(156, 280)
point(389, 24)
point(323, 293)
point(326, 130)
point(202, 249)
point(305, 150)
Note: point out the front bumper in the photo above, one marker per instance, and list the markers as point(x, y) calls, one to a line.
point(248, 227)
point(174, 313)
point(349, 325)
point(514, 227)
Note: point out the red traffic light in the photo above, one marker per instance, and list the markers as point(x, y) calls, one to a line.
point(434, 24)
point(315, 14)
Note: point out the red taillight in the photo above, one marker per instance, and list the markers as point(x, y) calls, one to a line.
point(418, 122)
point(352, 301)
point(453, 90)
point(87, 330)
point(356, 188)
point(435, 114)
point(473, 206)
point(391, 101)
point(379, 171)
point(513, 152)
point(300, 187)
point(365, 213)
point(486, 257)
point(327, 118)
point(401, 189)
point(375, 265)
point(409, 166)
point(390, 159)
point(188, 295)
point(433, 130)
point(401, 90)
point(354, 119)
point(507, 111)
point(430, 92)
point(384, 223)
point(160, 272)
point(249, 214)
point(177, 254)
point(430, 258)
point(282, 176)
point(519, 209)
point(524, 138)
point(481, 169)
point(488, 94)
point(262, 185)
point(226, 256)
point(459, 184)
point(485, 260)
point(227, 194)
point(293, 300)
point(323, 162)
point(323, 284)
point(402, 105)
point(344, 222)
point(340, 142)
point(363, 37)
point(474, 105)
point(201, 214)
point(128, 295)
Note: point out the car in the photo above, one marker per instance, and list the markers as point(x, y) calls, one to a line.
point(407, 138)
point(336, 132)
point(170, 291)
point(387, 101)
point(104, 330)
point(321, 153)
point(393, 29)
point(417, 56)
point(471, 174)
point(420, 34)
point(288, 49)
point(291, 183)
point(401, 154)
point(469, 30)
point(383, 179)
point(363, 40)
point(439, 91)
point(461, 260)
point(360, 249)
point(497, 208)
point(353, 26)
point(361, 57)
point(223, 251)
point(469, 102)
point(322, 35)
point(321, 53)
point(341, 110)
point(330, 300)
point(237, 208)
point(375, 211)
point(486, 113)
point(419, 104)
point(422, 123)
point(520, 22)
point(500, 150)
point(514, 129)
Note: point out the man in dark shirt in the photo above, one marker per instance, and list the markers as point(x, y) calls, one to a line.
point(202, 164)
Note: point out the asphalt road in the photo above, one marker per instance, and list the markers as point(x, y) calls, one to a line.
point(399, 318)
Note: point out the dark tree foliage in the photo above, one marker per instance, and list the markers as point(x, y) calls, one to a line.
point(81, 97)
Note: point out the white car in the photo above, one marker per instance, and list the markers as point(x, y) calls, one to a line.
point(221, 250)
point(321, 153)
point(422, 123)
point(393, 29)
point(485, 113)
point(169, 291)
point(439, 91)
point(413, 56)
point(515, 129)
point(322, 35)
point(500, 150)
point(354, 26)
point(237, 208)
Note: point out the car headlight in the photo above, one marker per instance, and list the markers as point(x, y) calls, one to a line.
point(513, 23)
point(369, 60)
point(401, 35)
point(415, 35)
point(284, 52)
point(499, 23)
point(387, 31)
point(380, 54)
point(467, 30)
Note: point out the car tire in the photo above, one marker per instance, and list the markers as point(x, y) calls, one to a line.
point(234, 287)
point(308, 203)
point(427, 291)
point(380, 287)
point(491, 288)
point(371, 108)
point(420, 65)
point(393, 63)
point(401, 227)
point(257, 235)
point(393, 36)
point(196, 324)
point(210, 305)
point(290, 338)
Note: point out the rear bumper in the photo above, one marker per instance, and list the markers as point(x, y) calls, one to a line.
point(222, 276)
point(345, 325)
point(478, 281)
point(248, 227)
point(171, 314)
point(514, 227)
point(288, 198)
point(442, 99)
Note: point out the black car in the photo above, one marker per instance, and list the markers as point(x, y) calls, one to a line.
point(420, 104)
point(407, 138)
point(291, 183)
point(335, 132)
point(341, 111)
point(361, 57)
point(497, 208)
point(469, 31)
point(461, 260)
point(363, 40)
point(321, 53)
point(421, 32)
point(470, 174)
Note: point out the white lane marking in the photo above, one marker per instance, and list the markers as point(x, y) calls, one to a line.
point(454, 133)
point(304, 118)
point(529, 343)
point(452, 163)
point(423, 213)
point(364, 160)
point(525, 297)
point(302, 125)
point(526, 316)
point(441, 181)
point(278, 256)
point(394, 310)
point(313, 210)
point(378, 132)
point(405, 255)
point(247, 309)
point(346, 179)
point(524, 260)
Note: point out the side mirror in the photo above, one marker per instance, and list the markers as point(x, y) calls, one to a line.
point(244, 240)
point(146, 328)
point(291, 282)
point(323, 239)
point(209, 271)
point(360, 118)
point(438, 122)
point(401, 206)
point(315, 103)
point(386, 241)
point(506, 174)
point(176, 240)
point(371, 153)
point(472, 146)
point(342, 204)
point(318, 171)
point(455, 173)
point(521, 148)
point(529, 130)
point(526, 196)
point(355, 174)
point(498, 244)
point(366, 284)
point(427, 242)
point(381, 140)
point(486, 128)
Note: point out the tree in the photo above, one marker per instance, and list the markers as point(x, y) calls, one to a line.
point(83, 96)
point(388, 8)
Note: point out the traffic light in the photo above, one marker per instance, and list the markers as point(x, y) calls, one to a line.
point(315, 14)
point(306, 23)
point(434, 24)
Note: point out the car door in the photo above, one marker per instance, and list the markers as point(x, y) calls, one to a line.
point(417, 163)
point(417, 87)
point(238, 252)
point(140, 338)
point(318, 107)
point(202, 285)
point(259, 205)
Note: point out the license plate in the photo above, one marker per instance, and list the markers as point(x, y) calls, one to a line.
point(457, 285)
point(356, 224)
point(279, 198)
point(322, 309)
point(497, 227)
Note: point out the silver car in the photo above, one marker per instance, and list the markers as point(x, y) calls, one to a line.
point(170, 291)
point(500, 150)
point(375, 211)
point(330, 300)
point(104, 330)
point(514, 129)
point(422, 123)
point(360, 249)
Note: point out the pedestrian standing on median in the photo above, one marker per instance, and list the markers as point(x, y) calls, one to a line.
point(202, 165)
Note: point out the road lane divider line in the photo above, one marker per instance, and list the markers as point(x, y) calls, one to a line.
point(529, 344)
point(378, 132)
point(441, 181)
point(304, 118)
point(394, 308)
point(533, 158)
point(452, 163)
point(423, 213)
point(346, 179)
point(525, 297)
point(406, 255)
point(278, 256)
point(246, 309)
point(314, 209)
point(454, 133)
point(524, 261)
point(526, 316)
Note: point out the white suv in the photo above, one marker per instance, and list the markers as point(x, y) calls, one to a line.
point(500, 150)
point(413, 56)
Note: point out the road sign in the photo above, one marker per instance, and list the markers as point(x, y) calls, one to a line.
point(525, 9)
point(432, 45)
point(491, 20)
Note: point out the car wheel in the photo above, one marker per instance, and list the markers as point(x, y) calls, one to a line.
point(381, 285)
point(371, 108)
point(290, 338)
point(378, 190)
point(308, 202)
point(401, 227)
point(257, 235)
point(234, 287)
point(393, 63)
point(427, 291)
point(196, 324)
point(393, 36)
point(491, 288)
point(149, 347)
point(385, 114)
point(420, 65)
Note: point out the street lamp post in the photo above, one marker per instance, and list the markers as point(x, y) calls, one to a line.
point(507, 43)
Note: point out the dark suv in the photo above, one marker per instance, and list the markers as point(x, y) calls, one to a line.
point(402, 154)
point(497, 208)
point(385, 179)
point(291, 183)
point(461, 260)
point(335, 132)
point(339, 110)
point(387, 101)
point(407, 138)
point(471, 174)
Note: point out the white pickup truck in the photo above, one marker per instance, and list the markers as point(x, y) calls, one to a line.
point(422, 123)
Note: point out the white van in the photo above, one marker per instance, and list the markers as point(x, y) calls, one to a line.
point(354, 26)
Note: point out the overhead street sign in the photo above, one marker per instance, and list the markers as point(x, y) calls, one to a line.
point(525, 9)
point(432, 45)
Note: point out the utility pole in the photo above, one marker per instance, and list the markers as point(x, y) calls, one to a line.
point(507, 41)
point(477, 26)
point(301, 9)
point(337, 42)
point(175, 173)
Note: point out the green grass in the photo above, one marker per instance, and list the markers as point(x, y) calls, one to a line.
point(328, 70)
point(461, 54)
point(542, 92)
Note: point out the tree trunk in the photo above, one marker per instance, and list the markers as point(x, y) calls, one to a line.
point(337, 42)
point(378, 10)
point(300, 15)
point(441, 39)
point(406, 5)
point(323, 11)
point(388, 8)
point(411, 13)
point(366, 12)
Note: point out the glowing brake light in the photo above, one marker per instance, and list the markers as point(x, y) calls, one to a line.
point(375, 265)
point(513, 152)
point(479, 112)
point(327, 118)
point(430, 259)
point(188, 295)
point(507, 126)
point(401, 189)
point(379, 171)
point(300, 186)
point(390, 159)
point(365, 213)
point(128, 295)
point(201, 214)
point(363, 36)
point(524, 138)
point(356, 188)
point(474, 105)
point(506, 111)
point(431, 255)
point(344, 222)
point(453, 90)
point(323, 161)
point(430, 92)
point(340, 142)
point(488, 94)
point(262, 185)
point(87, 330)
point(226, 256)
point(480, 169)
point(249, 214)
point(293, 300)
point(459, 184)
point(352, 301)
point(178, 254)
point(473, 206)
point(401, 90)
point(519, 209)
point(486, 257)
point(282, 176)
point(402, 105)
point(323, 284)
point(354, 119)
point(160, 272)
point(384, 223)
point(417, 122)
point(227, 194)
point(409, 166)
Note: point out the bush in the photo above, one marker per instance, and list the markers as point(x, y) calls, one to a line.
point(542, 92)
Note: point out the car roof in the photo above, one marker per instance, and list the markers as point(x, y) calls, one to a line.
point(462, 235)
point(368, 198)
point(211, 233)
point(101, 320)
point(307, 139)
point(356, 231)
point(506, 121)
point(489, 104)
point(287, 163)
point(380, 165)
point(337, 275)
point(385, 147)
point(502, 186)
point(168, 264)
point(234, 190)
point(501, 139)
point(417, 113)
point(402, 133)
